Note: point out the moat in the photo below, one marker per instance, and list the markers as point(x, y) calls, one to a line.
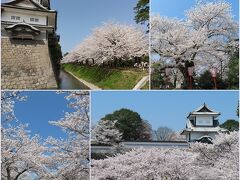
point(67, 81)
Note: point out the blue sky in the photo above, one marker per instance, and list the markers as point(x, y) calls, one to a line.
point(160, 108)
point(76, 18)
point(164, 108)
point(177, 8)
point(39, 108)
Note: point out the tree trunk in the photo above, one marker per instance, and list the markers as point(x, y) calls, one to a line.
point(20, 173)
point(8, 174)
point(184, 70)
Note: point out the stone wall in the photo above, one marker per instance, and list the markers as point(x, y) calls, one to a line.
point(26, 64)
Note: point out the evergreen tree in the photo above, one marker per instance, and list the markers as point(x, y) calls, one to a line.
point(233, 73)
point(206, 81)
point(130, 124)
point(230, 125)
point(142, 12)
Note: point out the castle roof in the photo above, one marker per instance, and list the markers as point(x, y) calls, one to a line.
point(28, 4)
point(203, 129)
point(46, 3)
point(203, 110)
point(22, 24)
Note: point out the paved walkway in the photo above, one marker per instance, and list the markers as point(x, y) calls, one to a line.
point(141, 83)
point(88, 84)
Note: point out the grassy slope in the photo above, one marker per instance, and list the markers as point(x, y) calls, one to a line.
point(106, 78)
point(146, 86)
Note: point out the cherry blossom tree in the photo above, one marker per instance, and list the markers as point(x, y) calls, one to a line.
point(26, 156)
point(111, 42)
point(144, 164)
point(106, 133)
point(69, 158)
point(201, 40)
point(219, 160)
point(8, 99)
point(21, 154)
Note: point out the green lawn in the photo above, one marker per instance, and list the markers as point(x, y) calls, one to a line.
point(107, 78)
point(146, 86)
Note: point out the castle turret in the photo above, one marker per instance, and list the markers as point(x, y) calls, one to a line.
point(28, 29)
point(202, 124)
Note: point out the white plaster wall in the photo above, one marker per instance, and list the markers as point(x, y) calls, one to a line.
point(197, 135)
point(42, 20)
point(204, 120)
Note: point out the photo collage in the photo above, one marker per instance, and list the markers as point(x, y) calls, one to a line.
point(120, 90)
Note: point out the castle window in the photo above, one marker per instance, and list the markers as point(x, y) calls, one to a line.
point(34, 19)
point(15, 18)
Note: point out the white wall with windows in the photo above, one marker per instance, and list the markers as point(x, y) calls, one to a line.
point(28, 18)
point(204, 120)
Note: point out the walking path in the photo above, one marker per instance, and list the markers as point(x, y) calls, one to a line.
point(88, 84)
point(141, 83)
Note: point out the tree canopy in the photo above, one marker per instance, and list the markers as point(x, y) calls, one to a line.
point(110, 43)
point(27, 156)
point(231, 125)
point(164, 134)
point(205, 81)
point(233, 73)
point(200, 40)
point(142, 12)
point(156, 76)
point(106, 133)
point(130, 124)
point(219, 160)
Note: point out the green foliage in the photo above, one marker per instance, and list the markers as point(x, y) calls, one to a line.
point(56, 52)
point(118, 63)
point(233, 73)
point(107, 78)
point(206, 81)
point(231, 125)
point(56, 56)
point(156, 78)
point(142, 12)
point(130, 124)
